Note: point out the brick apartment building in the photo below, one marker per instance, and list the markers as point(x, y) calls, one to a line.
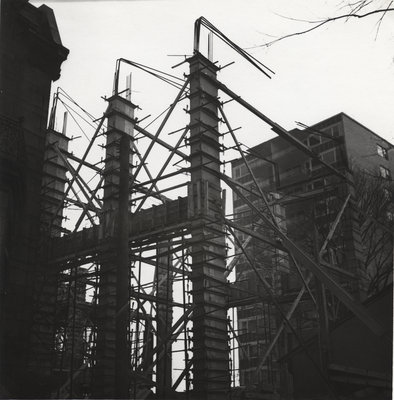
point(305, 197)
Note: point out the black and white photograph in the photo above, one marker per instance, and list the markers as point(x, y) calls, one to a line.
point(196, 199)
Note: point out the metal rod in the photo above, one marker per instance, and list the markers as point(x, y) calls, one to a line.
point(78, 179)
point(82, 216)
point(80, 165)
point(134, 148)
point(155, 138)
point(261, 193)
point(271, 294)
point(276, 127)
point(162, 169)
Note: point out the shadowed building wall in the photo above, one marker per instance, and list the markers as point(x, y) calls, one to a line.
point(31, 54)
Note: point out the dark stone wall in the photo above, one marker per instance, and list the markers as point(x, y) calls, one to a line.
point(31, 54)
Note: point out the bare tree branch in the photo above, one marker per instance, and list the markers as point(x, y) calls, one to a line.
point(381, 19)
point(318, 24)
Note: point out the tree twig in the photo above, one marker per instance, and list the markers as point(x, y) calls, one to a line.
point(319, 24)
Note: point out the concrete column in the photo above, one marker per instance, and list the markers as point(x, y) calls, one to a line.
point(111, 377)
point(53, 183)
point(164, 320)
point(211, 378)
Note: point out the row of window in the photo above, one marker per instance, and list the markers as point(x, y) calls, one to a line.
point(312, 141)
point(321, 182)
point(329, 157)
point(316, 139)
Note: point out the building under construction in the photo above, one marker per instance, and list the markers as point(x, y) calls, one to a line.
point(126, 278)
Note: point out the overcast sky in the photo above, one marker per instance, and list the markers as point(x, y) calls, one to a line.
point(340, 67)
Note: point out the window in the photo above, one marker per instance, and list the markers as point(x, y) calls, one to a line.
point(329, 156)
point(240, 171)
point(333, 131)
point(312, 164)
point(321, 208)
point(252, 325)
point(314, 140)
point(243, 328)
point(384, 172)
point(382, 152)
point(253, 350)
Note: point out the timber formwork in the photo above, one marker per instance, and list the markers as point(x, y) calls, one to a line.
point(210, 341)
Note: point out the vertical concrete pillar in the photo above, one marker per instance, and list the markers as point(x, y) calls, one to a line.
point(45, 281)
point(53, 183)
point(211, 379)
point(111, 377)
point(164, 320)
